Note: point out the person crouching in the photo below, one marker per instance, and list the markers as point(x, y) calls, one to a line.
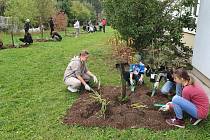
point(56, 36)
point(77, 73)
point(27, 39)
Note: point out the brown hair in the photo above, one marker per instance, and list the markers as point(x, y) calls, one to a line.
point(181, 73)
point(83, 53)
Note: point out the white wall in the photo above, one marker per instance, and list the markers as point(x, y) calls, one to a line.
point(201, 56)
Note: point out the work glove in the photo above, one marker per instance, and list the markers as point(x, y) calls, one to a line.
point(156, 85)
point(87, 87)
point(131, 82)
point(166, 107)
point(140, 80)
point(95, 79)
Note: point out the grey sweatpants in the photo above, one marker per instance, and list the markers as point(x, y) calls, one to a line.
point(76, 83)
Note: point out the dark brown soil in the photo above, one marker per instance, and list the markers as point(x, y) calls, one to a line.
point(42, 40)
point(10, 46)
point(85, 111)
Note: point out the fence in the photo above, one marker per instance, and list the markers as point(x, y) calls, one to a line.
point(8, 24)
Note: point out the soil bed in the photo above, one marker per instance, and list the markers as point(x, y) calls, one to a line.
point(85, 111)
point(43, 40)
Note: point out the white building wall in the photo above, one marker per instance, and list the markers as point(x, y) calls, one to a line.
point(201, 52)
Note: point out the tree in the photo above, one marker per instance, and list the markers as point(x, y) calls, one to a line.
point(81, 11)
point(65, 5)
point(2, 7)
point(151, 24)
point(96, 4)
point(46, 9)
point(22, 9)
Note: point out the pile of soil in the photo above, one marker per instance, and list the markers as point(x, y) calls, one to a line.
point(42, 40)
point(121, 115)
point(10, 46)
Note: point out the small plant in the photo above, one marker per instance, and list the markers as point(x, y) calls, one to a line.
point(123, 99)
point(97, 96)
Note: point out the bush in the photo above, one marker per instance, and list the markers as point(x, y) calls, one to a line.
point(152, 25)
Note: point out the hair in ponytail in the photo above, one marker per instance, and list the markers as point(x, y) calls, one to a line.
point(183, 74)
point(192, 81)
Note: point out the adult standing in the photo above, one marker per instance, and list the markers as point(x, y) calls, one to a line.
point(52, 25)
point(104, 24)
point(27, 26)
point(77, 27)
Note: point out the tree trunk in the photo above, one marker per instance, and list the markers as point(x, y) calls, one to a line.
point(122, 70)
point(12, 35)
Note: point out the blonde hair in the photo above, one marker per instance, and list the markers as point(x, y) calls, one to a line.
point(83, 53)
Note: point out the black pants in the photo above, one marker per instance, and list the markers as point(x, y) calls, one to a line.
point(100, 28)
point(51, 30)
point(104, 29)
point(25, 41)
point(126, 76)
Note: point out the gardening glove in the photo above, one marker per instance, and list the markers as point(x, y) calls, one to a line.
point(156, 85)
point(131, 82)
point(140, 80)
point(95, 79)
point(166, 107)
point(87, 87)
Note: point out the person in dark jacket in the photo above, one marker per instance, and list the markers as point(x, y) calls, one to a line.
point(170, 84)
point(56, 36)
point(1, 44)
point(27, 38)
point(27, 26)
point(52, 25)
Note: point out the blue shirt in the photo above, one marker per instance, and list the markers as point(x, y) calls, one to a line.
point(137, 68)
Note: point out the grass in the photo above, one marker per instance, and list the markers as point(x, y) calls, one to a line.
point(33, 97)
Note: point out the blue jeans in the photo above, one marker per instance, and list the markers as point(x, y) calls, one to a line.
point(181, 104)
point(168, 86)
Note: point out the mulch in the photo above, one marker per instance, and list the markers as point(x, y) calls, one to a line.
point(121, 115)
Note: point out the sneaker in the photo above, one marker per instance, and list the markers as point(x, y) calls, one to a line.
point(71, 89)
point(194, 121)
point(176, 122)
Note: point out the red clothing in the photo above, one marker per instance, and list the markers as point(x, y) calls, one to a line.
point(104, 22)
point(196, 95)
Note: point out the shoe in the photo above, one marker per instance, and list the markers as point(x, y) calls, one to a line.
point(176, 122)
point(194, 121)
point(71, 89)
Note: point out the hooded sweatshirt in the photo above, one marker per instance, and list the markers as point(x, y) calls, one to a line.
point(75, 68)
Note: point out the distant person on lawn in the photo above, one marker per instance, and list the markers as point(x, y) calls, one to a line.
point(104, 22)
point(27, 39)
point(27, 25)
point(56, 36)
point(77, 28)
point(1, 44)
point(51, 23)
point(77, 73)
point(194, 101)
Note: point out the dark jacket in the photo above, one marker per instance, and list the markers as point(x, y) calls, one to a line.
point(56, 36)
point(27, 38)
point(51, 24)
point(27, 26)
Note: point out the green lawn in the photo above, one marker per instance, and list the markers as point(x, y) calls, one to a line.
point(33, 98)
